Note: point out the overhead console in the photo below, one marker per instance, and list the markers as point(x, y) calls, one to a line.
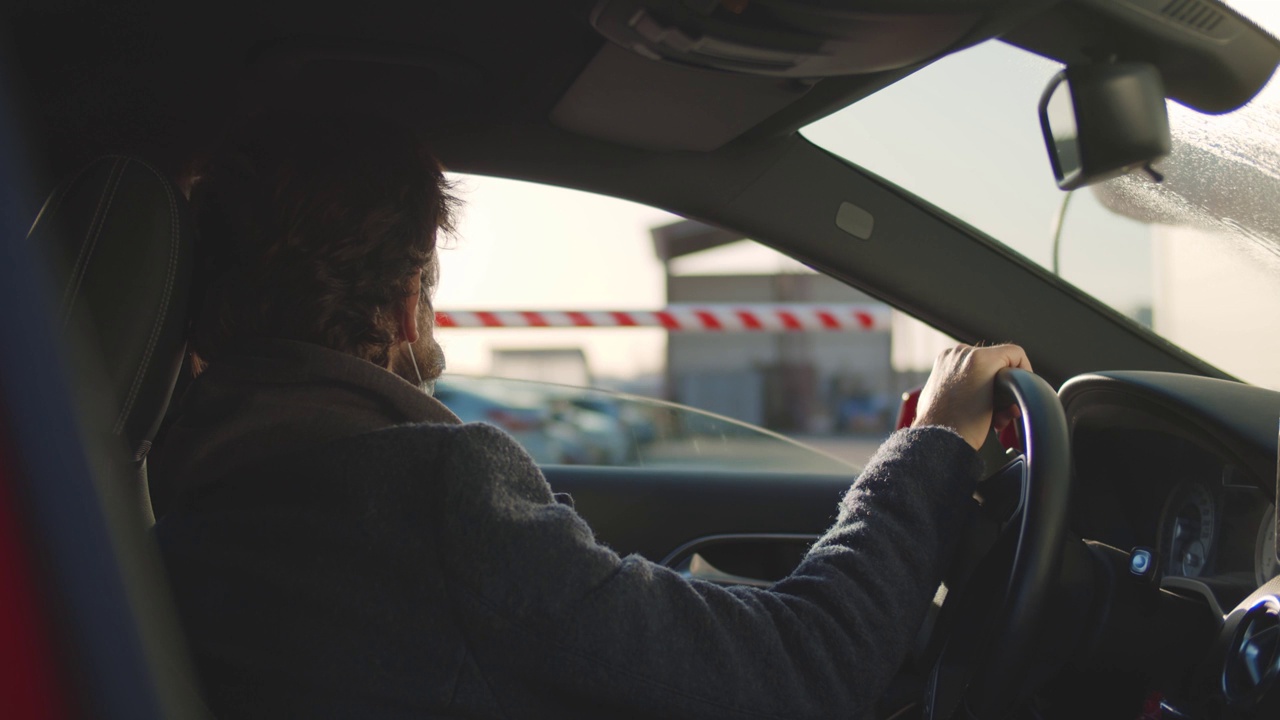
point(804, 39)
point(1210, 57)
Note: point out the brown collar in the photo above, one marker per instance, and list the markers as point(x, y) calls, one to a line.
point(271, 398)
point(289, 362)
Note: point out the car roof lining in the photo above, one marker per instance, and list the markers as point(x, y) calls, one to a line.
point(118, 77)
point(122, 77)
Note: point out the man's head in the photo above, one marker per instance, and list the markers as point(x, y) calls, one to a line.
point(321, 230)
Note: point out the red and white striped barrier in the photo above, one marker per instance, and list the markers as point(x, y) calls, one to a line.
point(776, 317)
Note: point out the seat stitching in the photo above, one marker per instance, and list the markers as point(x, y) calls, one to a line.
point(164, 300)
point(60, 193)
point(54, 203)
point(99, 220)
point(81, 267)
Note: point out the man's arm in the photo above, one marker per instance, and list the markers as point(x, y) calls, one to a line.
point(542, 601)
point(547, 602)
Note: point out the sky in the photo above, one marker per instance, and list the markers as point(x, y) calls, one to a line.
point(523, 246)
point(963, 134)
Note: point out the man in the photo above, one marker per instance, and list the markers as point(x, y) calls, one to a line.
point(341, 546)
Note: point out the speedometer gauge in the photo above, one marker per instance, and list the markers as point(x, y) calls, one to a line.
point(1188, 529)
point(1264, 557)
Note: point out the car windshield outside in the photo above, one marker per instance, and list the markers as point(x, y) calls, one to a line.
point(1195, 259)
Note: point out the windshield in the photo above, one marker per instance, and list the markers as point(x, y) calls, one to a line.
point(1195, 259)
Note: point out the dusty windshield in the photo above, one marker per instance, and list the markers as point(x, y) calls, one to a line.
point(1196, 259)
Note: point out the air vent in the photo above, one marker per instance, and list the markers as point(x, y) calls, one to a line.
point(1194, 14)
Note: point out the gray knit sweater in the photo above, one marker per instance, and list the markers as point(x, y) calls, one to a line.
point(340, 546)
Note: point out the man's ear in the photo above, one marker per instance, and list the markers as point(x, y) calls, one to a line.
point(409, 314)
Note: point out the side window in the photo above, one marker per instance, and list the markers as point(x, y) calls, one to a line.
point(705, 349)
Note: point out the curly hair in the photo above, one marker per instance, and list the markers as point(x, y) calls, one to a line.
point(315, 229)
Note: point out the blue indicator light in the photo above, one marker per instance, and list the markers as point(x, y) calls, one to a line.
point(1140, 562)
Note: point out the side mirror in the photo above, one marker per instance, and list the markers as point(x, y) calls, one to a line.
point(1103, 120)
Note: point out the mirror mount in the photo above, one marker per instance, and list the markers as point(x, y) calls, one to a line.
point(1101, 120)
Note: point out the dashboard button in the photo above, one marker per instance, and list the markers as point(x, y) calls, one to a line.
point(1142, 562)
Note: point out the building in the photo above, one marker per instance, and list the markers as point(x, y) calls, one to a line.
point(796, 382)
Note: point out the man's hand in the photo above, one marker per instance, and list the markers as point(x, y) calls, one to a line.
point(961, 389)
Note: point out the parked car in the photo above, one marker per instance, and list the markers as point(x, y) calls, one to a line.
point(602, 432)
point(530, 424)
point(1128, 559)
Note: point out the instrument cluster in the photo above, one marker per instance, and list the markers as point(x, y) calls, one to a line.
point(1216, 529)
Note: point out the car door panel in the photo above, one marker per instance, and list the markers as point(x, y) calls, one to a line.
point(755, 526)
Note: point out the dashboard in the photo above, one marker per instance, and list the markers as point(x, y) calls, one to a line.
point(1181, 465)
point(1186, 468)
point(1202, 513)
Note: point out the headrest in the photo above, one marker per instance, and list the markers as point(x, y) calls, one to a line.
point(121, 245)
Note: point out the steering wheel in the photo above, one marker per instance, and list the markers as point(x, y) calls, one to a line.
point(985, 633)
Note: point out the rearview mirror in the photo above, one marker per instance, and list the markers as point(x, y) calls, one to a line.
point(1103, 120)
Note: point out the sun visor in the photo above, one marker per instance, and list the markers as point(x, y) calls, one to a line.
point(624, 98)
point(696, 74)
point(788, 38)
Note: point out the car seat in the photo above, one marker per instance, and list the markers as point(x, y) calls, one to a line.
point(120, 244)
